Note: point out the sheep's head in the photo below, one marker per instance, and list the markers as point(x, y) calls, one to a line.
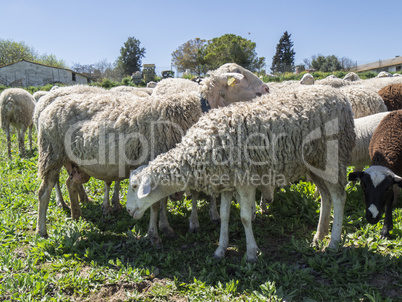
point(232, 83)
point(377, 184)
point(144, 190)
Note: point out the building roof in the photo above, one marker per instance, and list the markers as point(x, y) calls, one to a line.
point(45, 66)
point(380, 64)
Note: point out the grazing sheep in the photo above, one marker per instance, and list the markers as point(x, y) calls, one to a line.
point(364, 101)
point(141, 92)
point(307, 79)
point(104, 135)
point(16, 109)
point(386, 165)
point(38, 94)
point(352, 77)
point(272, 140)
point(392, 96)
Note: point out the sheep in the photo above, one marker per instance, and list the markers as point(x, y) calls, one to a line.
point(364, 129)
point(392, 96)
point(384, 74)
point(175, 85)
point(38, 94)
point(384, 172)
point(272, 140)
point(16, 109)
point(364, 101)
point(141, 92)
point(307, 79)
point(333, 82)
point(378, 83)
point(104, 135)
point(42, 103)
point(151, 84)
point(352, 77)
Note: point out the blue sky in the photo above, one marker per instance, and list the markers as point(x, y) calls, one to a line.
point(88, 31)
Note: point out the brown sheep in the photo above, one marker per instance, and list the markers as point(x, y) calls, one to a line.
point(392, 96)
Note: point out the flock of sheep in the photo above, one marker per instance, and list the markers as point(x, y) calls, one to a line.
point(227, 136)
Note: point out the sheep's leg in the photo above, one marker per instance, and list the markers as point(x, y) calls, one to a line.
point(194, 223)
point(267, 196)
point(106, 204)
point(8, 135)
point(338, 197)
point(388, 223)
point(59, 197)
point(21, 141)
point(226, 200)
point(247, 202)
point(83, 195)
point(213, 210)
point(152, 233)
point(73, 188)
point(325, 210)
point(43, 201)
point(164, 225)
point(30, 136)
point(396, 195)
point(117, 207)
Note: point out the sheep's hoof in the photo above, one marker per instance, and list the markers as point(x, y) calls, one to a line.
point(193, 230)
point(168, 231)
point(106, 210)
point(219, 253)
point(156, 242)
point(217, 222)
point(117, 207)
point(44, 235)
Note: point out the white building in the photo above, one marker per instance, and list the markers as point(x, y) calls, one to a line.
point(25, 73)
point(391, 65)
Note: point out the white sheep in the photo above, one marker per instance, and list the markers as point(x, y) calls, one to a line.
point(352, 77)
point(16, 109)
point(379, 180)
point(273, 140)
point(175, 85)
point(38, 94)
point(104, 135)
point(364, 129)
point(364, 101)
point(307, 79)
point(139, 91)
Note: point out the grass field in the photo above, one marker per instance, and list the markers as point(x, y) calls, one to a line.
point(109, 258)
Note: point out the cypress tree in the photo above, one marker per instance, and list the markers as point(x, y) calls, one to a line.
point(283, 60)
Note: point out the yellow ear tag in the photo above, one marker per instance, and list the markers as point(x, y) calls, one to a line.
point(231, 81)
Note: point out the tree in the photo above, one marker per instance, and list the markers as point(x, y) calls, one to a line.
point(131, 55)
point(11, 52)
point(325, 64)
point(283, 60)
point(189, 56)
point(50, 60)
point(230, 48)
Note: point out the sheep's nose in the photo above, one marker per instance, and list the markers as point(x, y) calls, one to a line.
point(259, 94)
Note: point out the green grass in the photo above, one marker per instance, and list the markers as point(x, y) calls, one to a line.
point(108, 257)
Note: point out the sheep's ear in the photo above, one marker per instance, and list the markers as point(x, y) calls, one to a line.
point(398, 180)
point(231, 78)
point(145, 187)
point(355, 176)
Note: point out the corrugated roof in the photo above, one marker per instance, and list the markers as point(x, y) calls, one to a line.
point(46, 66)
point(379, 64)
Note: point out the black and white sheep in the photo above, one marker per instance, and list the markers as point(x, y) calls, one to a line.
point(16, 109)
point(272, 140)
point(384, 172)
point(104, 135)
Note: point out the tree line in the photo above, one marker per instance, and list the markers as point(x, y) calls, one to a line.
point(197, 55)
